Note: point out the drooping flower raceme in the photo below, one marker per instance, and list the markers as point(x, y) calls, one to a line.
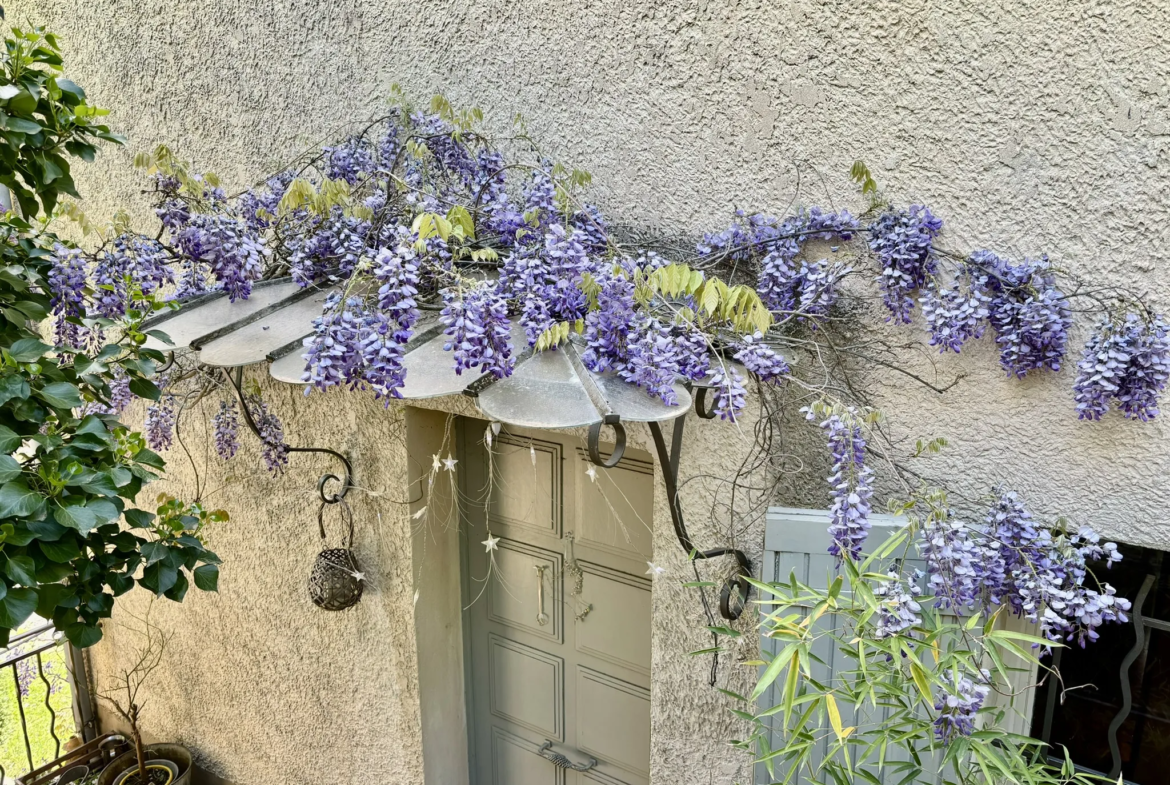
point(903, 241)
point(1126, 361)
point(477, 328)
point(899, 608)
point(226, 423)
point(1030, 315)
point(273, 448)
point(67, 282)
point(160, 423)
point(957, 313)
point(958, 705)
point(849, 483)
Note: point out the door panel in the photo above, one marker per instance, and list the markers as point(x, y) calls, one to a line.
point(613, 721)
point(517, 761)
point(617, 632)
point(513, 591)
point(558, 624)
point(616, 510)
point(538, 705)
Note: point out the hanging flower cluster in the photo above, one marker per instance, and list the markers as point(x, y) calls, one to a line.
point(1127, 362)
point(226, 424)
point(420, 211)
point(850, 483)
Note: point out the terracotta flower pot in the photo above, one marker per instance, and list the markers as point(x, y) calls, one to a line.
point(175, 753)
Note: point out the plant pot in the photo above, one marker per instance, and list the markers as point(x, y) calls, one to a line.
point(175, 753)
point(159, 771)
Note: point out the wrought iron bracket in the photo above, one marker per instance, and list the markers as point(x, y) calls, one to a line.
point(734, 594)
point(594, 443)
point(236, 377)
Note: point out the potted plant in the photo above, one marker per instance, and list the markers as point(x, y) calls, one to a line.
point(145, 764)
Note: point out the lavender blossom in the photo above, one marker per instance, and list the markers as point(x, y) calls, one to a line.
point(273, 449)
point(903, 241)
point(1126, 361)
point(958, 706)
point(160, 423)
point(849, 483)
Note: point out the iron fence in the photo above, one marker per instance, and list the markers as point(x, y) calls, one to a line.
point(38, 697)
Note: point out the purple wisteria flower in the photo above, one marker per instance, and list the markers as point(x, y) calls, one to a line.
point(761, 359)
point(226, 423)
point(958, 706)
point(160, 423)
point(1030, 315)
point(899, 610)
point(957, 313)
point(1126, 361)
point(850, 483)
point(67, 282)
point(350, 161)
point(903, 241)
point(478, 331)
point(273, 448)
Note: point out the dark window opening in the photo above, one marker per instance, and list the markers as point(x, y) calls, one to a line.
point(1079, 717)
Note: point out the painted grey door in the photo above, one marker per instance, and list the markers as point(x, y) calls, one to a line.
point(558, 617)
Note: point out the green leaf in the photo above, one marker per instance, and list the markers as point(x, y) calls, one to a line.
point(207, 577)
point(21, 126)
point(63, 551)
point(9, 440)
point(16, 607)
point(144, 388)
point(139, 519)
point(17, 500)
point(62, 395)
point(22, 570)
point(69, 86)
point(9, 468)
point(179, 590)
point(83, 635)
point(154, 552)
point(13, 386)
point(26, 350)
point(49, 596)
point(104, 510)
point(100, 484)
point(159, 577)
point(77, 517)
point(150, 458)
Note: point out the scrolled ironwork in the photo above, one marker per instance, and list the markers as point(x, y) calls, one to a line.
point(594, 441)
point(236, 380)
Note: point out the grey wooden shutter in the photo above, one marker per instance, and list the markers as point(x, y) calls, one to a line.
point(797, 541)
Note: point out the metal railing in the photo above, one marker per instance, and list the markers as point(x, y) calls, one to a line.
point(23, 663)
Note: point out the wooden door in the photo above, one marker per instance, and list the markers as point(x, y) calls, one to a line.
point(558, 610)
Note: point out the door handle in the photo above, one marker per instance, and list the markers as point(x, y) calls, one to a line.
point(561, 762)
point(541, 616)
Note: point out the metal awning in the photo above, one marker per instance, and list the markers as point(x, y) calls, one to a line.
point(550, 389)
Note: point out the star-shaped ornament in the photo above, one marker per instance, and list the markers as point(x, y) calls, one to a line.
point(361, 576)
point(654, 570)
point(449, 463)
point(436, 462)
point(591, 472)
point(490, 544)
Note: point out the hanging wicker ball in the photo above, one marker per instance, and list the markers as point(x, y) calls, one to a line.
point(336, 581)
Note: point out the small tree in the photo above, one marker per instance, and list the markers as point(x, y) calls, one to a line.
point(123, 697)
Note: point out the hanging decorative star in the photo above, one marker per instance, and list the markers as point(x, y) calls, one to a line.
point(655, 570)
point(361, 576)
point(436, 462)
point(420, 513)
point(532, 454)
point(489, 544)
point(592, 473)
point(449, 463)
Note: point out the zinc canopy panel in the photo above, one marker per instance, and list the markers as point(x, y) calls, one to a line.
point(549, 389)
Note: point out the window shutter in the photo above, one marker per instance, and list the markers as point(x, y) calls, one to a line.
point(797, 541)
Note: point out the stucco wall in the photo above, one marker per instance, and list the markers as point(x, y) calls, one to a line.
point(1030, 127)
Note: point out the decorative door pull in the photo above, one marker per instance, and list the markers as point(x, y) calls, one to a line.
point(561, 762)
point(541, 616)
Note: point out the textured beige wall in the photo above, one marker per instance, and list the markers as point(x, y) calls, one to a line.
point(1031, 127)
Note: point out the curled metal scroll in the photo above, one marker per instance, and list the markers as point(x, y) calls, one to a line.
point(734, 594)
point(236, 379)
point(594, 442)
point(701, 404)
